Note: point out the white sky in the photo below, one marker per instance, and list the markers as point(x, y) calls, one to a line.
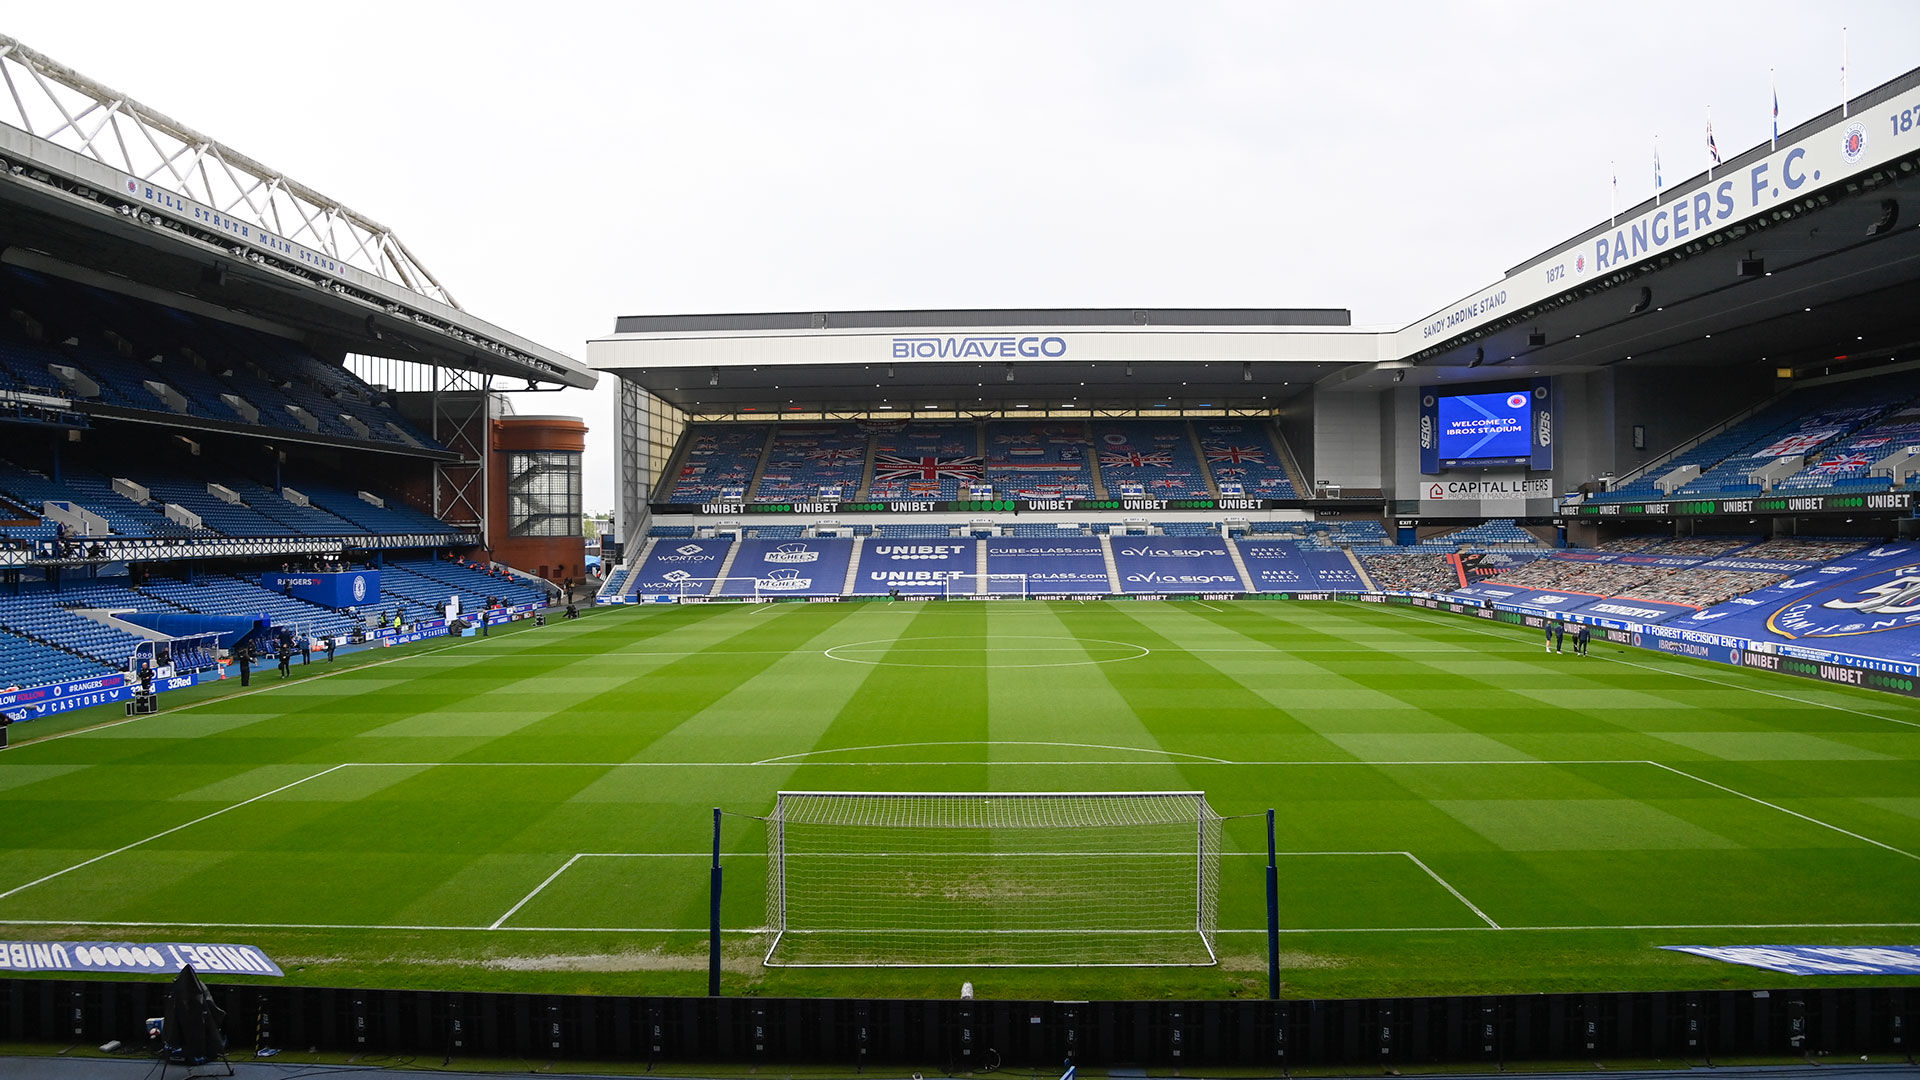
point(557, 165)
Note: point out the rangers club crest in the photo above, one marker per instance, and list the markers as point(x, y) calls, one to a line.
point(1869, 604)
point(1853, 143)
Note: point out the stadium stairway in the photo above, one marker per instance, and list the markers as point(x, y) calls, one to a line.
point(726, 568)
point(1113, 568)
point(1360, 567)
point(853, 566)
point(1239, 565)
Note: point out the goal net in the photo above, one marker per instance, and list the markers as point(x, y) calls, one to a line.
point(1029, 879)
point(737, 589)
point(962, 586)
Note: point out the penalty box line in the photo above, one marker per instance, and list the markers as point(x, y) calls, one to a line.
point(500, 923)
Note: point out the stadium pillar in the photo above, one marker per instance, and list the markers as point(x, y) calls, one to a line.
point(1273, 915)
point(713, 913)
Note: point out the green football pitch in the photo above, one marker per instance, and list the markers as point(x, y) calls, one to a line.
point(1458, 811)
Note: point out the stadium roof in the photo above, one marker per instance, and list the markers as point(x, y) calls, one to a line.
point(100, 188)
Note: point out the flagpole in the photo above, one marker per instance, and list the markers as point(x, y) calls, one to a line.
point(1773, 84)
point(1713, 150)
point(1843, 72)
point(1657, 182)
point(1613, 194)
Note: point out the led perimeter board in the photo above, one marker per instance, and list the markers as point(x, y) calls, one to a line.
point(1506, 425)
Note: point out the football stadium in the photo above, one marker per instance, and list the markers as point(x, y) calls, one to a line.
point(1044, 688)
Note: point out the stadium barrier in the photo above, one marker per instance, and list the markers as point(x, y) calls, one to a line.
point(1795, 1022)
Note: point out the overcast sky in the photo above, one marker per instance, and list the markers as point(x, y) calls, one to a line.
point(557, 165)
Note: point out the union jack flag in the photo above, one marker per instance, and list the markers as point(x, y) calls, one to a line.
point(836, 455)
point(1235, 454)
point(1168, 483)
point(895, 467)
point(1843, 463)
point(1134, 459)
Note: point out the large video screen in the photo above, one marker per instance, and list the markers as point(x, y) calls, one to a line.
point(1486, 429)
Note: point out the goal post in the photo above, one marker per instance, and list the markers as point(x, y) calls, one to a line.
point(974, 586)
point(718, 589)
point(992, 879)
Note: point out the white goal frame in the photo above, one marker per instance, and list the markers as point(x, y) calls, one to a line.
point(1154, 819)
point(708, 590)
point(977, 586)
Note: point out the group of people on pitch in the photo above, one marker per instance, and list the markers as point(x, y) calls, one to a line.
point(1557, 634)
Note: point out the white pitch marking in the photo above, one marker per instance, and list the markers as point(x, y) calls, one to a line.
point(1445, 884)
point(1784, 810)
point(1673, 671)
point(1208, 606)
point(979, 742)
point(1754, 689)
point(536, 891)
point(762, 930)
point(168, 832)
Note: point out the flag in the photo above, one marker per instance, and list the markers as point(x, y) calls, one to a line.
point(1713, 148)
point(1235, 454)
point(895, 467)
point(1657, 183)
point(1135, 460)
point(1776, 115)
point(1843, 463)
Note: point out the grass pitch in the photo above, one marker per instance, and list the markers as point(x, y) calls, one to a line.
point(1458, 811)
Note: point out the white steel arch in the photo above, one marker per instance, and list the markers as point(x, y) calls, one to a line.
point(48, 100)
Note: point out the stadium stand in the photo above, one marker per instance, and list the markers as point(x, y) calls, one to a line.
point(27, 662)
point(1497, 531)
point(1158, 455)
point(1244, 452)
point(811, 461)
point(1411, 572)
point(1700, 587)
point(925, 460)
point(1047, 460)
point(1844, 467)
point(1594, 578)
point(92, 492)
point(1710, 546)
point(1800, 423)
point(1631, 543)
point(101, 347)
point(719, 462)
